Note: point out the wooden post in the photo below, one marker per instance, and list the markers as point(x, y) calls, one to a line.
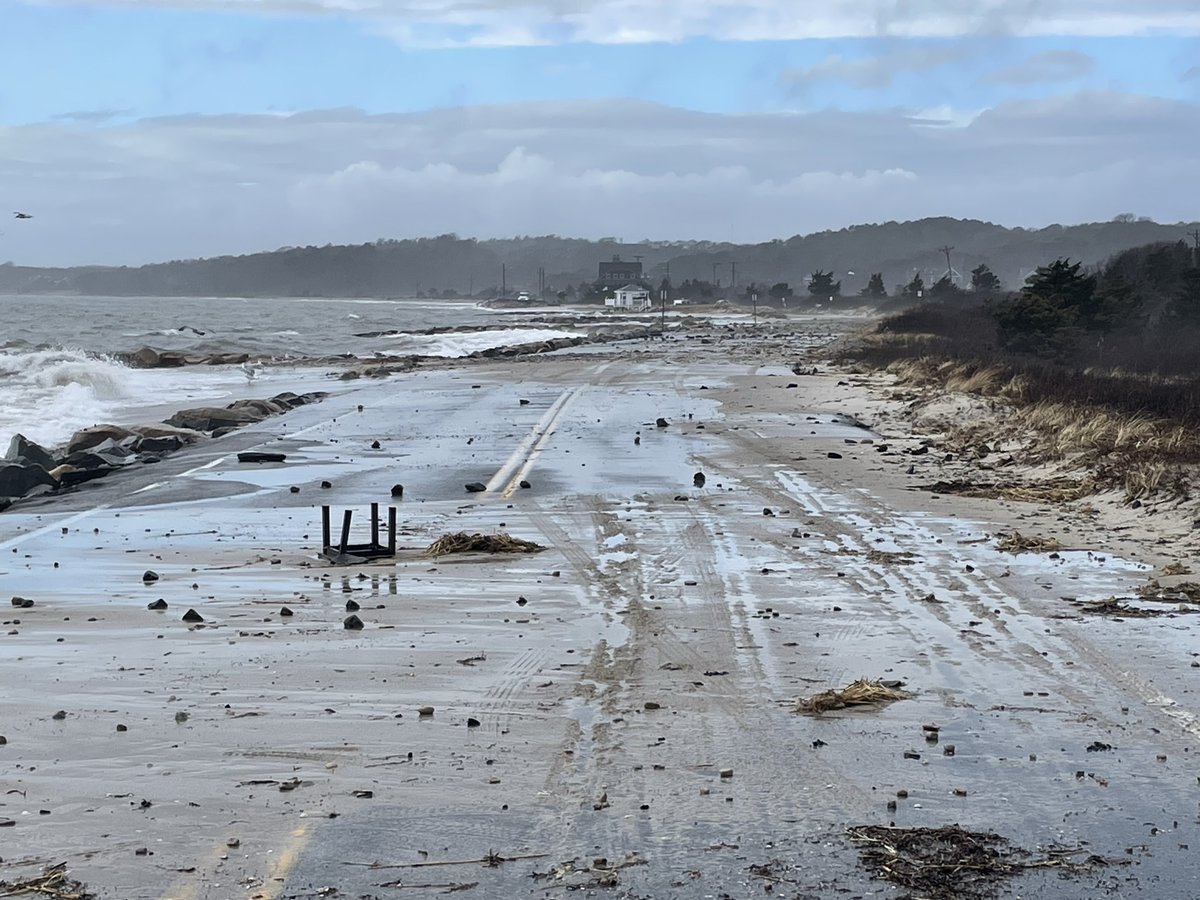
point(346, 530)
point(391, 531)
point(374, 526)
point(324, 527)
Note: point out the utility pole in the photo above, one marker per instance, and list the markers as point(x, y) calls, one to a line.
point(1195, 236)
point(754, 301)
point(732, 274)
point(662, 326)
point(503, 279)
point(715, 282)
point(949, 268)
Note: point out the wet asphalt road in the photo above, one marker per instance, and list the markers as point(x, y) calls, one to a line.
point(666, 632)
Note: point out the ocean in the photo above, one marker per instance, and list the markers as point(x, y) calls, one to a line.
point(58, 370)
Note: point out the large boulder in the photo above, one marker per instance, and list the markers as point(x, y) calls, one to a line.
point(105, 455)
point(87, 438)
point(210, 418)
point(21, 449)
point(266, 407)
point(19, 479)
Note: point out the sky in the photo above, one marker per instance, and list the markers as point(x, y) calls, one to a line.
point(145, 130)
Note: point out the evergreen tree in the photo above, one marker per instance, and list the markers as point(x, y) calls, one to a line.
point(985, 281)
point(821, 284)
point(915, 289)
point(874, 287)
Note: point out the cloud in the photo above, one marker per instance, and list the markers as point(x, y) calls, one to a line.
point(204, 185)
point(873, 72)
point(1048, 66)
point(524, 22)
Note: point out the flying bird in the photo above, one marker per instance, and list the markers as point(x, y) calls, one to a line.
point(22, 215)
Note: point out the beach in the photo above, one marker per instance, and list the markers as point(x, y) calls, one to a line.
point(616, 714)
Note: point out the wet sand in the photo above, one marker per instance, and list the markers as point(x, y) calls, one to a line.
point(665, 635)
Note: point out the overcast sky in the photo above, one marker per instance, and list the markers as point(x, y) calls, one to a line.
point(156, 129)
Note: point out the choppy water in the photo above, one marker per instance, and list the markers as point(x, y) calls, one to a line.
point(58, 372)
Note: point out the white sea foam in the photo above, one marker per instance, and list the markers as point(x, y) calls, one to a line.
point(463, 343)
point(47, 395)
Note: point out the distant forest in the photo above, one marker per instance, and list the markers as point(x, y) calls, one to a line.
point(895, 253)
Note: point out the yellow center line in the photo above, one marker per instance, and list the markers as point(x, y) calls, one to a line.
point(273, 884)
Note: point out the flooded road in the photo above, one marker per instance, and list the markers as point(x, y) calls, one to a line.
point(625, 696)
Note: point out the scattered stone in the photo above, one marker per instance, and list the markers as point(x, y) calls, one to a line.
point(122, 728)
point(948, 750)
point(293, 489)
point(767, 512)
point(60, 715)
point(698, 479)
point(525, 485)
point(21, 602)
point(523, 402)
point(326, 484)
point(352, 606)
point(1098, 747)
point(352, 623)
point(375, 445)
point(398, 491)
point(476, 487)
point(157, 605)
point(660, 422)
point(149, 576)
point(651, 705)
point(425, 712)
point(521, 601)
point(192, 616)
point(180, 718)
point(473, 723)
point(833, 455)
point(286, 611)
point(726, 773)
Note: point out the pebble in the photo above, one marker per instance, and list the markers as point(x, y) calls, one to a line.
point(158, 605)
point(192, 616)
point(727, 773)
point(425, 712)
point(352, 623)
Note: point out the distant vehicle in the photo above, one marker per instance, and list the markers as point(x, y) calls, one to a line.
point(524, 297)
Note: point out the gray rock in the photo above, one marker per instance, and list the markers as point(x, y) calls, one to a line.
point(476, 487)
point(21, 449)
point(88, 438)
point(23, 479)
point(213, 418)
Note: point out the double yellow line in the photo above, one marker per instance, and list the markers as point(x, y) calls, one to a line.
point(510, 475)
point(272, 885)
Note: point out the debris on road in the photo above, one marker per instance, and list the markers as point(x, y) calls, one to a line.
point(1015, 542)
point(53, 882)
point(462, 542)
point(952, 863)
point(861, 693)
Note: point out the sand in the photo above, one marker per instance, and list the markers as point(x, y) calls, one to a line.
point(626, 695)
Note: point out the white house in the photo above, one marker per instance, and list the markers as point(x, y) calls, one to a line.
point(630, 297)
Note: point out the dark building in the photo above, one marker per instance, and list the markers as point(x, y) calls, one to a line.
point(619, 272)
